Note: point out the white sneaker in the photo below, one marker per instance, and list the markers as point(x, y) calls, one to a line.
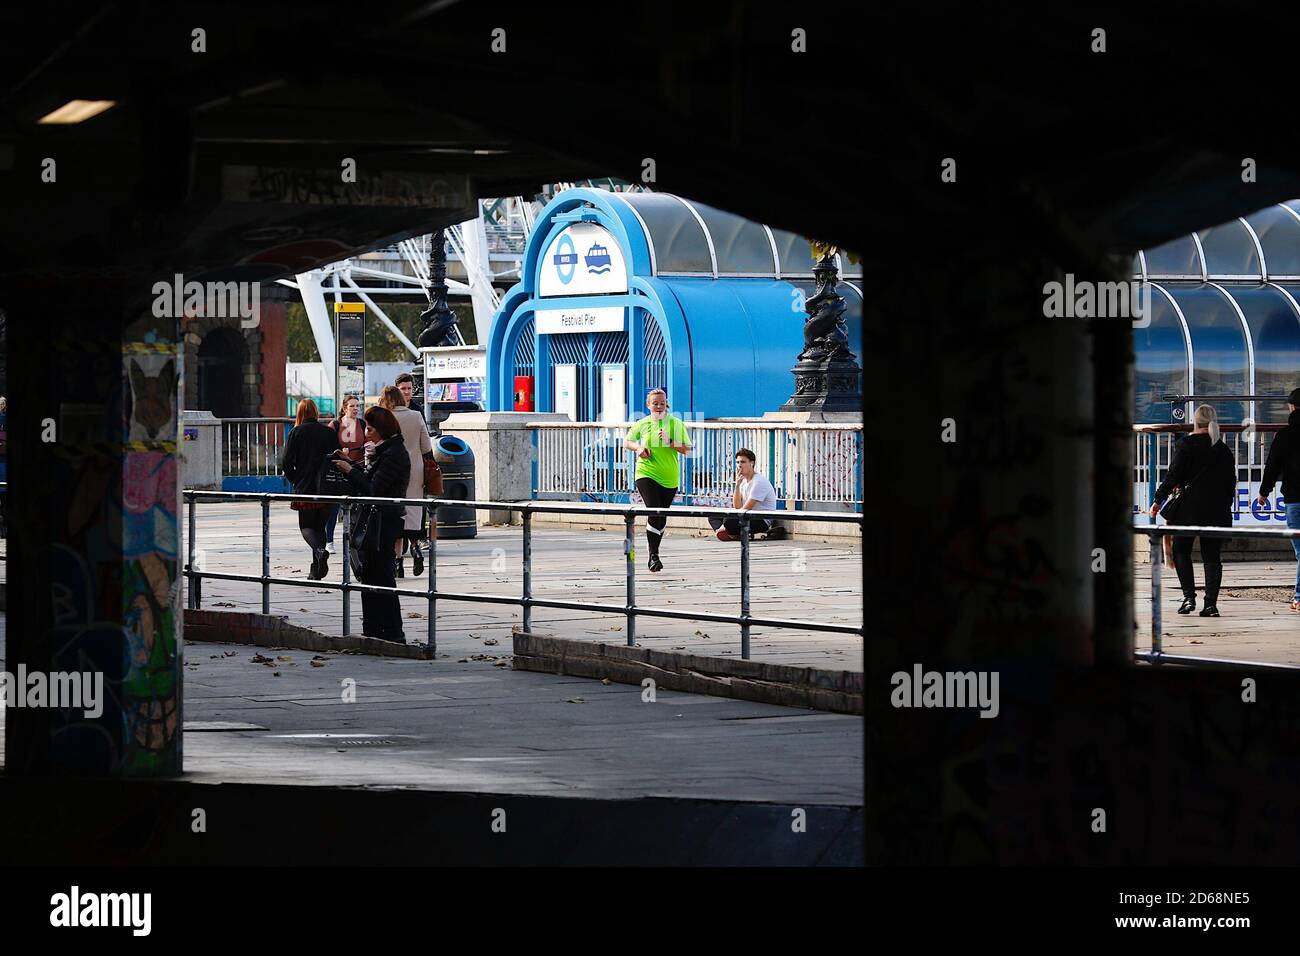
point(330, 548)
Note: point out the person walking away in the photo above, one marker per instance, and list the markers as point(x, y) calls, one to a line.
point(352, 440)
point(385, 476)
point(306, 453)
point(657, 440)
point(1205, 473)
point(415, 436)
point(1283, 462)
point(753, 492)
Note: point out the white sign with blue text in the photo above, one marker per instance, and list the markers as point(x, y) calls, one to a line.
point(582, 259)
point(1246, 509)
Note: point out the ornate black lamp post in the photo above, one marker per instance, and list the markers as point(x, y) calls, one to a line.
point(439, 326)
point(827, 374)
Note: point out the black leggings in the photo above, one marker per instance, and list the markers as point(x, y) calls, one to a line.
point(312, 525)
point(1213, 566)
point(655, 495)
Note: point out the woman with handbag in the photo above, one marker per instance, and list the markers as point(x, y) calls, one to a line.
point(352, 440)
point(415, 436)
point(306, 454)
point(377, 529)
point(1205, 474)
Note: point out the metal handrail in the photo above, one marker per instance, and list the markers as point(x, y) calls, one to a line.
point(720, 424)
point(526, 599)
point(1156, 532)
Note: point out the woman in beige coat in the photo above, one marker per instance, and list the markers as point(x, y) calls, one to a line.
point(415, 436)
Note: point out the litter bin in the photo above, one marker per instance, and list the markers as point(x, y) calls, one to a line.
point(457, 463)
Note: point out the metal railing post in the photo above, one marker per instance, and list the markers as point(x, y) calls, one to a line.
point(744, 586)
point(191, 603)
point(1153, 458)
point(1157, 562)
point(629, 550)
point(347, 568)
point(431, 568)
point(528, 570)
point(266, 555)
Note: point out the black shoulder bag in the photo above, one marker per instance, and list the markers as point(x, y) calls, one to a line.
point(1172, 508)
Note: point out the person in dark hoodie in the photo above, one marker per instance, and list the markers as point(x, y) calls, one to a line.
point(1284, 461)
point(384, 477)
point(306, 453)
point(1205, 471)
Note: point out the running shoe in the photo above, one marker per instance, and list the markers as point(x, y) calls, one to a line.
point(655, 563)
point(725, 535)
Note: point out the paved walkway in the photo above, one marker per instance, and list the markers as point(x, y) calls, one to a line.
point(804, 581)
point(444, 725)
point(1255, 625)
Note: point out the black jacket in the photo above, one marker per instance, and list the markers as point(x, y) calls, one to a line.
point(385, 477)
point(1208, 476)
point(305, 453)
point(1284, 461)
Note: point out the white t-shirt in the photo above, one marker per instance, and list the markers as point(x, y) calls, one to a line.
point(759, 489)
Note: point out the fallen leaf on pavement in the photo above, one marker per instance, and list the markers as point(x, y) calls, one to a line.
point(282, 657)
point(491, 642)
point(317, 663)
point(275, 674)
point(575, 700)
point(501, 664)
point(259, 659)
point(606, 681)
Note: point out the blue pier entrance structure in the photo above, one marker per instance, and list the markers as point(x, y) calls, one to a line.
point(621, 292)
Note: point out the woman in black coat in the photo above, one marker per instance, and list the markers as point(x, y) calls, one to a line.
point(307, 450)
point(384, 477)
point(1206, 471)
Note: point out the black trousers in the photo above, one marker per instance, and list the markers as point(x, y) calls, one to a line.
point(756, 525)
point(381, 614)
point(1213, 566)
point(655, 495)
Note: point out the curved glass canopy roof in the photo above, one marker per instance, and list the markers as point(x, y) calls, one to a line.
point(692, 239)
point(1225, 317)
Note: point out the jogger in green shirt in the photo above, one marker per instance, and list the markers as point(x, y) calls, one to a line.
point(657, 439)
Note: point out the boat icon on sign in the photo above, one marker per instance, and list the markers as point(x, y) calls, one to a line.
point(597, 259)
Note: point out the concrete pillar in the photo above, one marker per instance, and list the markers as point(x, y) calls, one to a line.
point(201, 450)
point(93, 569)
point(503, 455)
point(1000, 524)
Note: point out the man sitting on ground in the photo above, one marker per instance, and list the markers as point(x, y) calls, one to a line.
point(753, 491)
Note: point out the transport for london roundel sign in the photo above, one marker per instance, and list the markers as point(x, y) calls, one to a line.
point(583, 259)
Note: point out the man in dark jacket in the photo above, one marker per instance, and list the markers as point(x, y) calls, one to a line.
point(1284, 461)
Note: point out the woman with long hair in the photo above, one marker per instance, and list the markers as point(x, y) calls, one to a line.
point(384, 477)
point(1204, 471)
point(415, 436)
point(306, 453)
point(352, 440)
